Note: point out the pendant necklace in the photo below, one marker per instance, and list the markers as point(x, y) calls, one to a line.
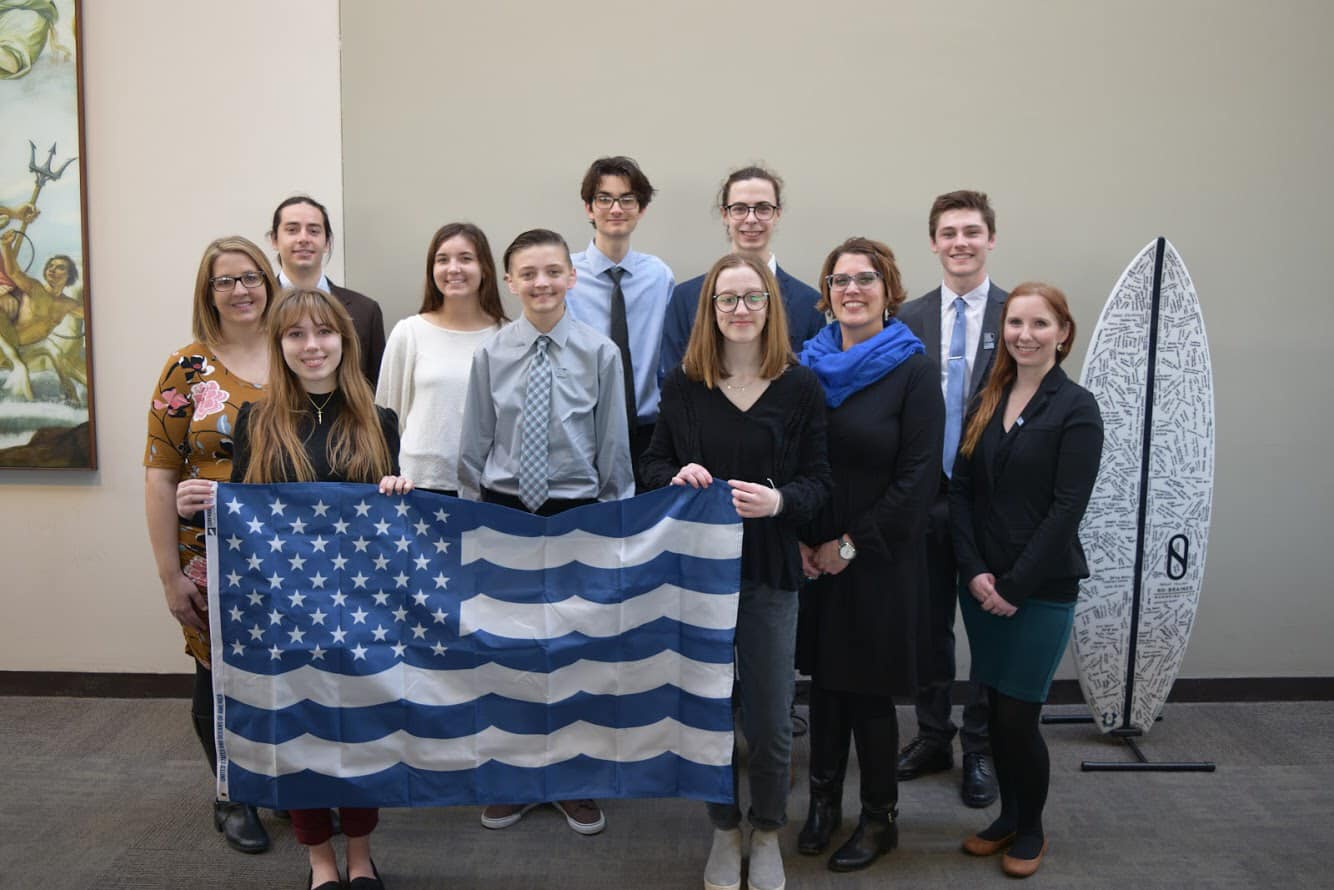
point(319, 409)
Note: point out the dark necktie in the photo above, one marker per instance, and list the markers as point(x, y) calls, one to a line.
point(620, 335)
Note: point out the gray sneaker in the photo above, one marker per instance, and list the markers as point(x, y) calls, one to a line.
point(723, 870)
point(766, 862)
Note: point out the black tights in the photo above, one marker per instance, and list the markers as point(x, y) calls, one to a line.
point(1023, 771)
point(201, 709)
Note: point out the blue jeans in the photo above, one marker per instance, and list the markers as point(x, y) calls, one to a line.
point(766, 639)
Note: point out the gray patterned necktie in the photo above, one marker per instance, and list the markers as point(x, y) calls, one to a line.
point(534, 429)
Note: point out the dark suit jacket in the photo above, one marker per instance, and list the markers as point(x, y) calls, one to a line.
point(922, 316)
point(1016, 502)
point(369, 322)
point(799, 299)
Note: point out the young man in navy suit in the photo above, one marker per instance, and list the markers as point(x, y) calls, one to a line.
point(958, 322)
point(303, 239)
point(750, 204)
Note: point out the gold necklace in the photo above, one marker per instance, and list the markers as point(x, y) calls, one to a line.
point(740, 387)
point(319, 409)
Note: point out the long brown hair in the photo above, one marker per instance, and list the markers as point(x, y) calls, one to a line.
point(357, 449)
point(704, 353)
point(488, 290)
point(205, 323)
point(1004, 371)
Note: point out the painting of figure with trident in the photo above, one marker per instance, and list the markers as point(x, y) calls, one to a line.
point(46, 406)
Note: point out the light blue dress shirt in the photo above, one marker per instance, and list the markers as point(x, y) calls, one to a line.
point(647, 285)
point(589, 448)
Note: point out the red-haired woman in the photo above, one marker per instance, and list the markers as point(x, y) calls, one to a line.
point(1021, 481)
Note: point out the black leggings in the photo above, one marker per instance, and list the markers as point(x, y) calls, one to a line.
point(1023, 769)
point(201, 709)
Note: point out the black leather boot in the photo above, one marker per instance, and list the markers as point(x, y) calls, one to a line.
point(822, 819)
point(876, 835)
point(830, 736)
point(240, 824)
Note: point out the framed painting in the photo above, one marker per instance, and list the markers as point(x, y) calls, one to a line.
point(46, 396)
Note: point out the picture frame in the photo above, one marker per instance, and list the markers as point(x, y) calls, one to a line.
point(46, 355)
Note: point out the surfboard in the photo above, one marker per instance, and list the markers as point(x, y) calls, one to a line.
point(1146, 529)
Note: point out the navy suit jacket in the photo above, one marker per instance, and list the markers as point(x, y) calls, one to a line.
point(799, 299)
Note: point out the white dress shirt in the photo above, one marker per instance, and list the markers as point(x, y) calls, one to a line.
point(976, 301)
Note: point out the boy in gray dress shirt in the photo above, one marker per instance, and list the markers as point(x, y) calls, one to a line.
point(544, 425)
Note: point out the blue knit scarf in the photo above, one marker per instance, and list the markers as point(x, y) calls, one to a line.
point(845, 372)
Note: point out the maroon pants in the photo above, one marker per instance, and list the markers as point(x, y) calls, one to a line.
point(314, 827)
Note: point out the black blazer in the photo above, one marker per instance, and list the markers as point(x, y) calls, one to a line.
point(922, 316)
point(1016, 503)
point(369, 322)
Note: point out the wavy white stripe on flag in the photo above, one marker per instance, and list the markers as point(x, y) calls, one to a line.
point(703, 540)
point(423, 686)
point(538, 621)
point(344, 760)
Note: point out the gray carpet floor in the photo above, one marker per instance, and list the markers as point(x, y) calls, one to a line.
point(113, 793)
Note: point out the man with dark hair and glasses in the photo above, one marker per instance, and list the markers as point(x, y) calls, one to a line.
point(620, 292)
point(750, 204)
point(958, 323)
point(302, 236)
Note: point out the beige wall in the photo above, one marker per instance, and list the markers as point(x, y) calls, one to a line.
point(1209, 122)
point(1094, 127)
point(79, 591)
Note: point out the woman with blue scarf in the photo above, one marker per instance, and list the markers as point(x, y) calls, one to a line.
point(864, 550)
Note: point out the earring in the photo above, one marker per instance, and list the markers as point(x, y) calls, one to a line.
point(1058, 347)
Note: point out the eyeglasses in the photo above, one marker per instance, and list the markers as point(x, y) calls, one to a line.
point(755, 301)
point(841, 282)
point(227, 283)
point(763, 211)
point(627, 202)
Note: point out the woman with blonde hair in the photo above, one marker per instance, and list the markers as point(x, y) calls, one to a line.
point(320, 424)
point(190, 422)
point(740, 409)
point(1022, 478)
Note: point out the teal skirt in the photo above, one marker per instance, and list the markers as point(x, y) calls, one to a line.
point(1017, 656)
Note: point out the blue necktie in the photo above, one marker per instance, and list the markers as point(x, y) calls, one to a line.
point(533, 429)
point(955, 380)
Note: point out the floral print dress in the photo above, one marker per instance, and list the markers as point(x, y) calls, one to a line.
point(190, 420)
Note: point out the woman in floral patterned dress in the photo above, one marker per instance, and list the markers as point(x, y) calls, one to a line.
point(190, 420)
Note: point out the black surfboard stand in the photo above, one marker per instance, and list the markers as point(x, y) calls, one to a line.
point(1125, 732)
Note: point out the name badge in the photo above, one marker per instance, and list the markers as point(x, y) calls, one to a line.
point(988, 340)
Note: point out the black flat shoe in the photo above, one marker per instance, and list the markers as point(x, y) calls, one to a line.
point(979, 781)
point(367, 883)
point(327, 885)
point(240, 825)
point(875, 836)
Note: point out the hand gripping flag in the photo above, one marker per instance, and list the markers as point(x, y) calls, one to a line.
point(420, 650)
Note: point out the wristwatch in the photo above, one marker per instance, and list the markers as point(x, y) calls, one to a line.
point(846, 550)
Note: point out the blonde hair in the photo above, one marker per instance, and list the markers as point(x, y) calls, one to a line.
point(357, 449)
point(704, 353)
point(205, 324)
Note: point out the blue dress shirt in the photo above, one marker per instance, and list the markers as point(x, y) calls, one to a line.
point(647, 285)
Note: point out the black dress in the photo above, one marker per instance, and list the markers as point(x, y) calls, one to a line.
point(857, 630)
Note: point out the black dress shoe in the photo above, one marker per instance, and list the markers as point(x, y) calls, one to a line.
point(979, 781)
point(922, 756)
point(374, 883)
point(822, 820)
point(327, 885)
point(240, 824)
point(875, 836)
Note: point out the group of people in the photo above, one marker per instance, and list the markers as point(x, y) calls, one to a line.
point(885, 464)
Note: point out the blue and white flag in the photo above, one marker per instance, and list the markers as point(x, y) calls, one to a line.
point(420, 650)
